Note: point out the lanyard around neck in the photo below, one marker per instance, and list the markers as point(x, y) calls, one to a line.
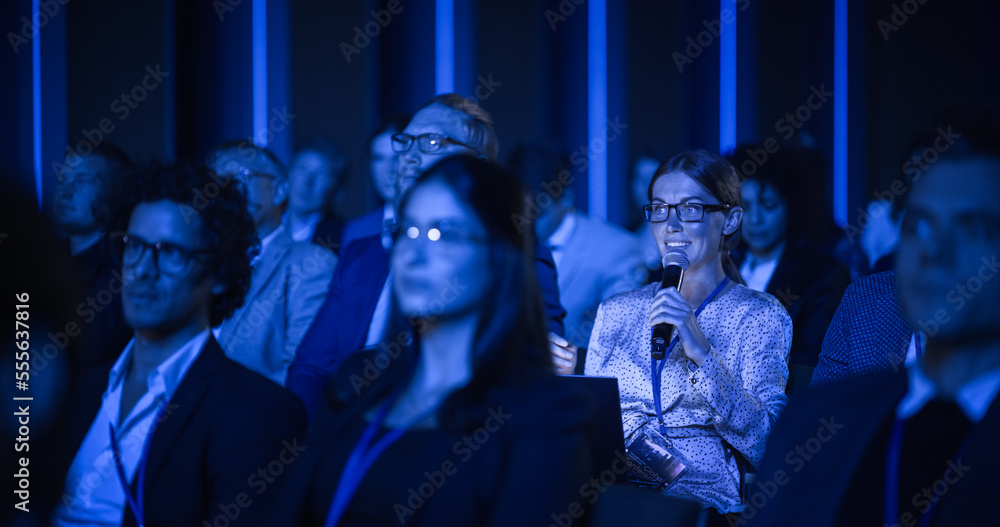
point(364, 454)
point(135, 502)
point(657, 372)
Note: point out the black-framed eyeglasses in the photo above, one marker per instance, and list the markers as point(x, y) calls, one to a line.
point(687, 212)
point(169, 258)
point(443, 236)
point(427, 143)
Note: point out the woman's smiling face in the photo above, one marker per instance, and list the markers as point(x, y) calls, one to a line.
point(700, 240)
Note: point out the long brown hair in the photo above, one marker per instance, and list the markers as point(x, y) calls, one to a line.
point(714, 174)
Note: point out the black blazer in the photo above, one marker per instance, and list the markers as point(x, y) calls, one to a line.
point(520, 472)
point(223, 424)
point(820, 439)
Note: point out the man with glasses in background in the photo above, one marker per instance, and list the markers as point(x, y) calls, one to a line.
point(354, 315)
point(176, 413)
point(290, 278)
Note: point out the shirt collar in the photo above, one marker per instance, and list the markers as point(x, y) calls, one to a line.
point(169, 374)
point(974, 397)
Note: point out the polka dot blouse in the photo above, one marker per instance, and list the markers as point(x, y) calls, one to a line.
point(730, 401)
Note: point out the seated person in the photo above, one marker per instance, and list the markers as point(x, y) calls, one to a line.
point(84, 193)
point(179, 427)
point(355, 312)
point(721, 385)
point(290, 278)
point(594, 259)
point(779, 260)
point(382, 169)
point(471, 399)
point(315, 177)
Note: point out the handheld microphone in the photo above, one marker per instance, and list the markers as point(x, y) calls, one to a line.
point(674, 265)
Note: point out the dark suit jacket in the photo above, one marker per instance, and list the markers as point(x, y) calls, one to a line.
point(820, 438)
point(867, 334)
point(341, 325)
point(222, 425)
point(368, 224)
point(531, 466)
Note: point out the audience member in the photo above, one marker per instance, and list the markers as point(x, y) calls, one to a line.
point(82, 208)
point(916, 448)
point(382, 169)
point(868, 332)
point(642, 173)
point(715, 396)
point(594, 259)
point(289, 279)
point(779, 258)
point(315, 178)
point(179, 427)
point(355, 312)
point(476, 364)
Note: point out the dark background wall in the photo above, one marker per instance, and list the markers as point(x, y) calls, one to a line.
point(535, 66)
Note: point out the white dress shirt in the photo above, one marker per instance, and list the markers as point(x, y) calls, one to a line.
point(93, 494)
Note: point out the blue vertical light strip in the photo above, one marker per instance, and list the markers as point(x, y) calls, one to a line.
point(727, 82)
point(36, 100)
point(259, 28)
point(840, 153)
point(597, 104)
point(169, 87)
point(444, 29)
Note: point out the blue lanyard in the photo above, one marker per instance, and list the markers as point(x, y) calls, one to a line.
point(362, 457)
point(135, 502)
point(657, 372)
point(892, 475)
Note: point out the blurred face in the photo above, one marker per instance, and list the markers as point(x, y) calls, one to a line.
point(440, 257)
point(310, 183)
point(434, 119)
point(76, 193)
point(642, 174)
point(700, 240)
point(258, 180)
point(947, 252)
point(157, 304)
point(383, 166)
point(765, 217)
point(551, 217)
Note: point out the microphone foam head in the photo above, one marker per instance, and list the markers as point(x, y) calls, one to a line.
point(677, 258)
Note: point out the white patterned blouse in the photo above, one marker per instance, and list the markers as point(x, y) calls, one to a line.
point(733, 397)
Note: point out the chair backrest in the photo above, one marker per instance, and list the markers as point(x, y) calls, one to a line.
point(634, 507)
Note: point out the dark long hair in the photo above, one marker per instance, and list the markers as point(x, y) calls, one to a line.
point(714, 174)
point(510, 342)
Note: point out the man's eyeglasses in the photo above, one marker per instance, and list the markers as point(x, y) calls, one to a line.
point(687, 212)
point(427, 143)
point(169, 258)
